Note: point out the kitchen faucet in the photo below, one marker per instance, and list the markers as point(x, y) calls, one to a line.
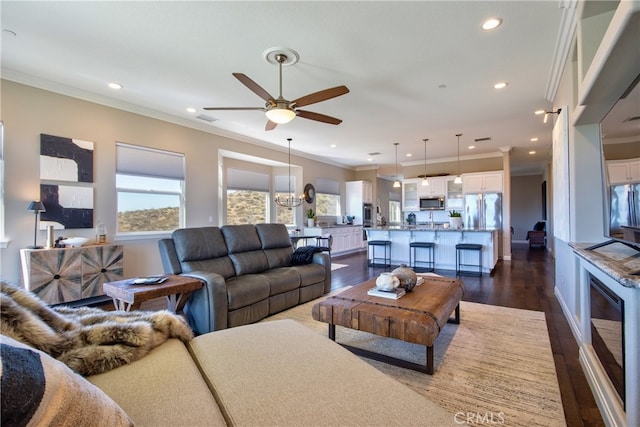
point(431, 219)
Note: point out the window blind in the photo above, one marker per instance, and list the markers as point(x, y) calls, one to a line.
point(238, 179)
point(327, 186)
point(149, 162)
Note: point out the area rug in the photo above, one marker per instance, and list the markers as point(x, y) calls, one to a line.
point(495, 368)
point(336, 266)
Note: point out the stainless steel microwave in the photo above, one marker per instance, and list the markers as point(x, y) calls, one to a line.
point(431, 203)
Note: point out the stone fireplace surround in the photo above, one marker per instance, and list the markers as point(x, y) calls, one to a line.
point(613, 265)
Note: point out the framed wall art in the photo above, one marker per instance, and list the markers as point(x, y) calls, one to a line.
point(66, 206)
point(65, 159)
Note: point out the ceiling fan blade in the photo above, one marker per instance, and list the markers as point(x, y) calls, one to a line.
point(234, 108)
point(318, 117)
point(323, 95)
point(270, 125)
point(253, 86)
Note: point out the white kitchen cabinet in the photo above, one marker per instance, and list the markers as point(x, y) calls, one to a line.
point(623, 171)
point(345, 238)
point(482, 182)
point(455, 199)
point(437, 187)
point(410, 198)
point(358, 193)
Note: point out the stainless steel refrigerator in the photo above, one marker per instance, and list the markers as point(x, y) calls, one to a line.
point(482, 211)
point(625, 207)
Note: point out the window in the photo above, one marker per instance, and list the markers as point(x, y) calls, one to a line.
point(150, 189)
point(327, 198)
point(247, 197)
point(282, 185)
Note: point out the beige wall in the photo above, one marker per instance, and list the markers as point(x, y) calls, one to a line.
point(27, 112)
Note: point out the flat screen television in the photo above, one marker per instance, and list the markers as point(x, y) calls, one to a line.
point(620, 131)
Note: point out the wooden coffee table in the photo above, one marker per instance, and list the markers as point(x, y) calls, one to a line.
point(417, 317)
point(176, 289)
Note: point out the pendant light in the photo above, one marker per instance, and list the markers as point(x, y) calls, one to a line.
point(396, 183)
point(458, 179)
point(425, 181)
point(291, 201)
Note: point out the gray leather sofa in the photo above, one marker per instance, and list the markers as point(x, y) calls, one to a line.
point(247, 273)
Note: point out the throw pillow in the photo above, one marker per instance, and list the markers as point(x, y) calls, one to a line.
point(39, 390)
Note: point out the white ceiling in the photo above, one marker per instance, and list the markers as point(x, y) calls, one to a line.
point(393, 56)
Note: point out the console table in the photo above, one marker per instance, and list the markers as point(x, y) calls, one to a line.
point(61, 275)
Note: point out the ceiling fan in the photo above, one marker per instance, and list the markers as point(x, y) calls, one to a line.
point(279, 110)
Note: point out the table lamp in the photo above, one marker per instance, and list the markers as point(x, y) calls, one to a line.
point(36, 207)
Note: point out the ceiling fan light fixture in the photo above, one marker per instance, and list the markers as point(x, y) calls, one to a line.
point(280, 115)
point(396, 183)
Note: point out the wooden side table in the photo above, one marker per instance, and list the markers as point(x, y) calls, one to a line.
point(127, 296)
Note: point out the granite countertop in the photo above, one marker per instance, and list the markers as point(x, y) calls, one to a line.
point(616, 259)
point(337, 226)
point(424, 228)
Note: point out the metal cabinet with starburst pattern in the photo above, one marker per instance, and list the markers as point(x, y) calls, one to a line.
point(70, 274)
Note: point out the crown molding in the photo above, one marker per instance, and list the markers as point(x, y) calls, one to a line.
point(564, 43)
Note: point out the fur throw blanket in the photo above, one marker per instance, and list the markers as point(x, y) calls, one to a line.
point(89, 340)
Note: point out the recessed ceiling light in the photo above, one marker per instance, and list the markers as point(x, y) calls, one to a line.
point(538, 112)
point(115, 85)
point(500, 85)
point(191, 110)
point(534, 139)
point(333, 146)
point(532, 152)
point(471, 147)
point(370, 159)
point(442, 86)
point(491, 23)
point(408, 155)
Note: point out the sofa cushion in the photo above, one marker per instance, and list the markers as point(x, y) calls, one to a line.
point(246, 290)
point(282, 280)
point(40, 390)
point(282, 373)
point(276, 244)
point(310, 273)
point(165, 388)
point(245, 249)
point(194, 244)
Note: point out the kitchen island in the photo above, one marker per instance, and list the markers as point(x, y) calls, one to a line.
point(445, 240)
point(347, 238)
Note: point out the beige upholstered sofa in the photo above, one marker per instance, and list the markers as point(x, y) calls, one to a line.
point(274, 373)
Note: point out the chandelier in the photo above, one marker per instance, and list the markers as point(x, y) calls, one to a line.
point(291, 201)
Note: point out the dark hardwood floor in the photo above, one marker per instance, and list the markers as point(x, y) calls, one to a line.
point(525, 282)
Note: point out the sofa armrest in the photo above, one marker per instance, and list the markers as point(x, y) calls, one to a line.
point(206, 309)
point(324, 259)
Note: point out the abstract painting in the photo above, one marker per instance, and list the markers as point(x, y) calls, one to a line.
point(66, 206)
point(65, 159)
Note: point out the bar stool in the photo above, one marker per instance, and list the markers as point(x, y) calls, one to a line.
point(431, 260)
point(460, 247)
point(371, 245)
point(328, 238)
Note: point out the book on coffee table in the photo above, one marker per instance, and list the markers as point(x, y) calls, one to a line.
point(148, 280)
point(394, 294)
